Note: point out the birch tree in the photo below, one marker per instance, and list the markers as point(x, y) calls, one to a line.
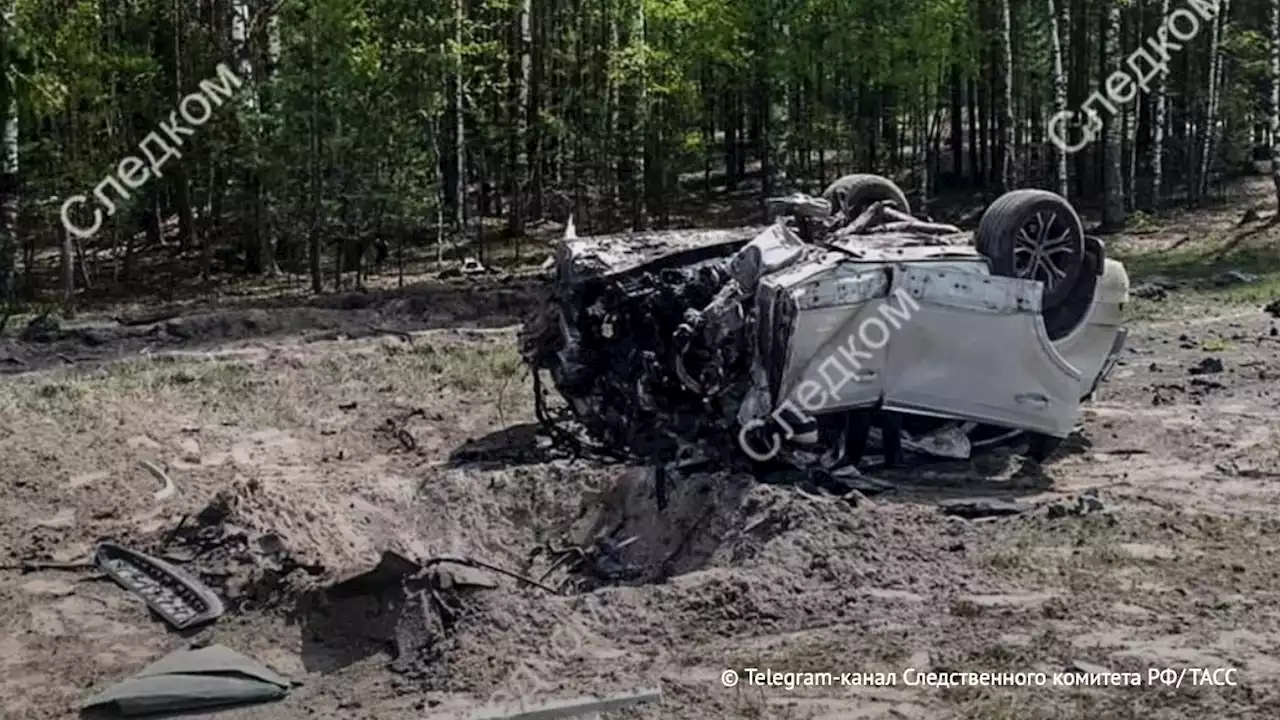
point(8, 151)
point(1113, 213)
point(638, 119)
point(1274, 110)
point(1059, 22)
point(1007, 156)
point(1159, 120)
point(459, 122)
point(1210, 126)
point(242, 50)
point(517, 154)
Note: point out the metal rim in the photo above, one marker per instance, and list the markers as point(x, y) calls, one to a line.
point(1043, 249)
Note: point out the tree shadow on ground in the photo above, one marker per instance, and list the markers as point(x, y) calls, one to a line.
point(488, 300)
point(1203, 264)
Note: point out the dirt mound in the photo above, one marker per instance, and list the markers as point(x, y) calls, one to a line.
point(733, 522)
point(604, 569)
point(248, 547)
point(726, 554)
point(487, 303)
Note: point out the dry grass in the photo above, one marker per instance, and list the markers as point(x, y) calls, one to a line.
point(56, 426)
point(286, 387)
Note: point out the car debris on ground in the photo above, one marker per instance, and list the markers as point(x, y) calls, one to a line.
point(443, 573)
point(182, 601)
point(1086, 503)
point(470, 267)
point(1207, 366)
point(1151, 291)
point(199, 679)
point(977, 508)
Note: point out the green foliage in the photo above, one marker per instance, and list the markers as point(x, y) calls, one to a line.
point(347, 126)
point(1141, 221)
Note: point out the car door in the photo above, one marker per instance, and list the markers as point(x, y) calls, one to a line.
point(830, 304)
point(974, 347)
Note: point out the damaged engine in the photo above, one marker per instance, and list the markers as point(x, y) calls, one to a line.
point(624, 349)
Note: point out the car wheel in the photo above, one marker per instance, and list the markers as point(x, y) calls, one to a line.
point(1062, 320)
point(1034, 235)
point(852, 194)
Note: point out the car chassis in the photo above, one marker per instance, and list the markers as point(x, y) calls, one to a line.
point(847, 323)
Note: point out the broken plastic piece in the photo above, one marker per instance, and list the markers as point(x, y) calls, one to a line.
point(799, 205)
point(181, 600)
point(187, 680)
point(393, 568)
point(462, 576)
point(168, 489)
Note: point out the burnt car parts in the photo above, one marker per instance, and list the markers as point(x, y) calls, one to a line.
point(190, 682)
point(663, 342)
point(853, 194)
point(179, 599)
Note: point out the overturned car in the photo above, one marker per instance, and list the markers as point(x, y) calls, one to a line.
point(846, 325)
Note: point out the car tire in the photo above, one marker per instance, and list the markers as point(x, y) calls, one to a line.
point(853, 194)
point(1062, 320)
point(1025, 222)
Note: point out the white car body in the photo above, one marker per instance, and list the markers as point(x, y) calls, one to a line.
point(932, 332)
point(659, 340)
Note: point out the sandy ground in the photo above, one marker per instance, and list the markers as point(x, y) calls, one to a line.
point(1151, 543)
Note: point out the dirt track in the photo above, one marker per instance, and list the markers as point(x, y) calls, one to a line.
point(1177, 567)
